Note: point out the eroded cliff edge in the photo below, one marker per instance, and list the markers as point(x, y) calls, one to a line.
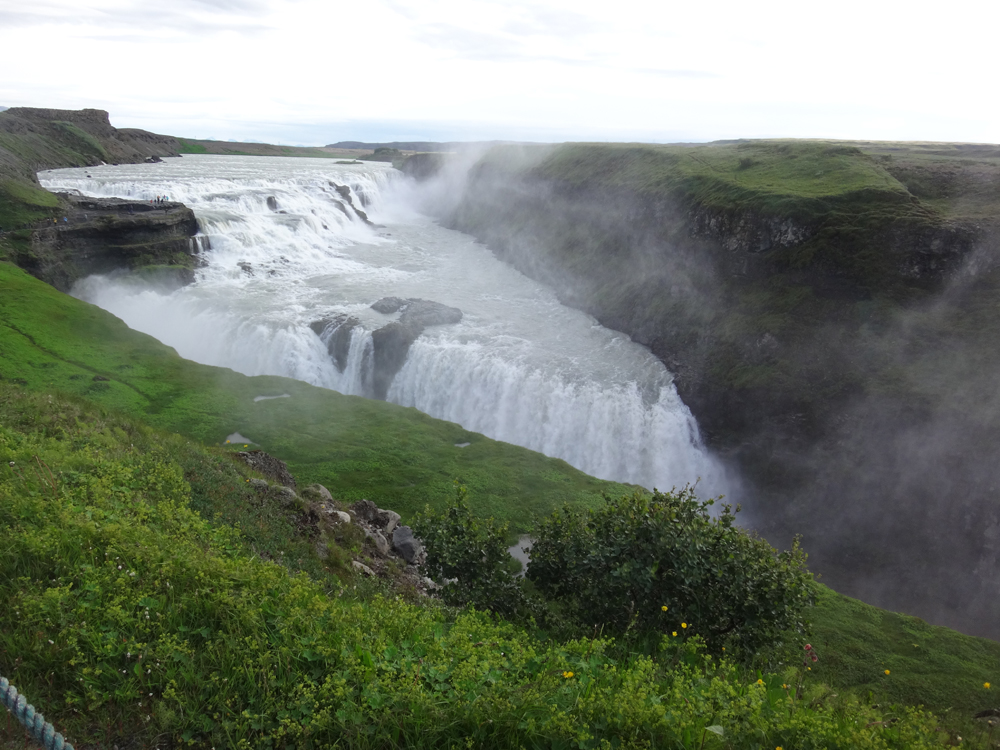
point(827, 311)
point(62, 238)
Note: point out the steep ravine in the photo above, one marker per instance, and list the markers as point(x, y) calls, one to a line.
point(834, 347)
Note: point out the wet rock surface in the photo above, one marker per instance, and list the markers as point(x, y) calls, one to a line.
point(392, 342)
point(336, 333)
point(106, 235)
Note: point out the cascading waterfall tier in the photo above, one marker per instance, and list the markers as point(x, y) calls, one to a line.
point(290, 243)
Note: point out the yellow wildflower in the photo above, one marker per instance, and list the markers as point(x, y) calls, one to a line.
point(684, 624)
point(760, 682)
point(675, 634)
point(887, 671)
point(986, 685)
point(664, 607)
point(567, 675)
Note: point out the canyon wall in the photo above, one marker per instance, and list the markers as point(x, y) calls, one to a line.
point(828, 327)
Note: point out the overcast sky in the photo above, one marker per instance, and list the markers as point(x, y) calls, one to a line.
point(319, 71)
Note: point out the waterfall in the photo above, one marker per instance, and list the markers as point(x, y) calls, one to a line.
point(287, 243)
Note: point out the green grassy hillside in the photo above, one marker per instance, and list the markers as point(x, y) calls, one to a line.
point(359, 448)
point(133, 619)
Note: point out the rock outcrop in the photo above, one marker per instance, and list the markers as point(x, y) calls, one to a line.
point(273, 468)
point(336, 333)
point(387, 550)
point(103, 235)
point(391, 343)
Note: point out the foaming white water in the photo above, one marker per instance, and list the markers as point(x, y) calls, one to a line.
point(288, 247)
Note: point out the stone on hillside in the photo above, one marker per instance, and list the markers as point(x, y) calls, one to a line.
point(380, 542)
point(285, 495)
point(268, 465)
point(365, 510)
point(317, 493)
point(407, 545)
point(388, 520)
point(362, 568)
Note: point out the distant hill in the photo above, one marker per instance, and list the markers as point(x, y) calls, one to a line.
point(420, 145)
point(2, 109)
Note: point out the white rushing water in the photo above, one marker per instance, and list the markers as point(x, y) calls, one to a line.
point(519, 367)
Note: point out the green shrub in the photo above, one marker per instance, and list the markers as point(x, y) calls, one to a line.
point(663, 563)
point(470, 558)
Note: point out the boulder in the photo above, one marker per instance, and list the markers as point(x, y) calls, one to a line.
point(391, 343)
point(365, 510)
point(388, 520)
point(362, 568)
point(380, 542)
point(268, 465)
point(407, 545)
point(389, 305)
point(317, 493)
point(336, 333)
point(284, 495)
point(272, 203)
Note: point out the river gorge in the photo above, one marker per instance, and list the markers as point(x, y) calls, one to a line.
point(288, 243)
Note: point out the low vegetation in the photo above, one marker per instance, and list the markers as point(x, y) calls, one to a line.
point(395, 456)
point(139, 620)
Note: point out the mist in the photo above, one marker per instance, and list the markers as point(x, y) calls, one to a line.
point(865, 425)
point(289, 261)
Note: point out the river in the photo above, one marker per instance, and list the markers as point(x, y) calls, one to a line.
point(282, 247)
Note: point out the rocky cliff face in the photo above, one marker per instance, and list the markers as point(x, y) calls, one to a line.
point(83, 137)
point(62, 238)
point(821, 343)
point(108, 234)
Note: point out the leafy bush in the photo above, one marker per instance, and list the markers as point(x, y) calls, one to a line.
point(661, 562)
point(469, 557)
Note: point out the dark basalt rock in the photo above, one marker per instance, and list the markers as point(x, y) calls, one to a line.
point(272, 203)
point(407, 545)
point(105, 235)
point(391, 343)
point(345, 192)
point(389, 305)
point(336, 333)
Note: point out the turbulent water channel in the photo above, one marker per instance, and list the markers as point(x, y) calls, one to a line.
point(282, 247)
